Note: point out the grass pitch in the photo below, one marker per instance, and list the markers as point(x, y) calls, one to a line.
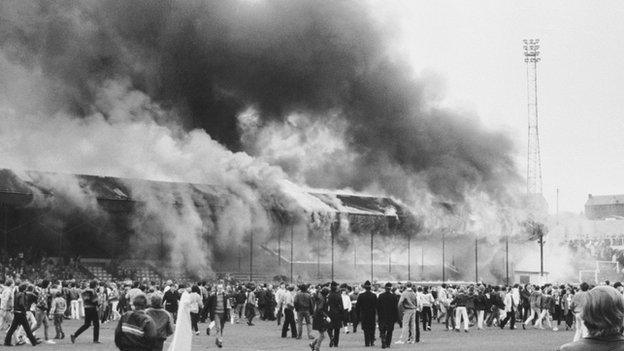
point(267, 336)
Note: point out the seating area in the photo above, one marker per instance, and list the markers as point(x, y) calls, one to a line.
point(98, 270)
point(137, 270)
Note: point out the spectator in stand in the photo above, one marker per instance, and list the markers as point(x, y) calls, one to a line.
point(603, 315)
point(57, 310)
point(136, 330)
point(91, 303)
point(163, 321)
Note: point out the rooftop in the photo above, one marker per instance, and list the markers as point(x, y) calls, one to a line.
point(598, 200)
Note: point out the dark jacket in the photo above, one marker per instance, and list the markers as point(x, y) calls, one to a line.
point(320, 313)
point(335, 309)
point(162, 322)
point(171, 299)
point(90, 299)
point(388, 308)
point(303, 302)
point(23, 301)
point(547, 303)
point(212, 306)
point(366, 306)
point(135, 331)
point(495, 300)
point(480, 302)
point(460, 300)
point(524, 297)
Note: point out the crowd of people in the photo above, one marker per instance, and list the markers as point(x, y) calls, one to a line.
point(36, 265)
point(148, 313)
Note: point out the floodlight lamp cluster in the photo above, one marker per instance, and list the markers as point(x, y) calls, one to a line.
point(531, 50)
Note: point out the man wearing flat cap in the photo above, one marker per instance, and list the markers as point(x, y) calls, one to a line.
point(366, 307)
point(388, 314)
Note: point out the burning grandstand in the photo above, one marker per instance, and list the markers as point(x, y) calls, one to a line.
point(120, 225)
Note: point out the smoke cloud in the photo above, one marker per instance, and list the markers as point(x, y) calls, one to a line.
point(247, 95)
point(212, 60)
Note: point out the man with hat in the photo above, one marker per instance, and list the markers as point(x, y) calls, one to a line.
point(335, 312)
point(366, 306)
point(388, 314)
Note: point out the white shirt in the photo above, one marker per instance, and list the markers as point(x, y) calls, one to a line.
point(346, 302)
point(6, 302)
point(426, 299)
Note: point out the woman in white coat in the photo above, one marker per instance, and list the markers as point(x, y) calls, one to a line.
point(183, 336)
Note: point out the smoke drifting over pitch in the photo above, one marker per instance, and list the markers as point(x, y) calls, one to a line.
point(211, 60)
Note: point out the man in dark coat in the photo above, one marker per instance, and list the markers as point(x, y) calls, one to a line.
point(366, 306)
point(269, 304)
point(262, 301)
point(388, 314)
point(336, 312)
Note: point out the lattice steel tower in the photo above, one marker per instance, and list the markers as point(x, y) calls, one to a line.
point(534, 161)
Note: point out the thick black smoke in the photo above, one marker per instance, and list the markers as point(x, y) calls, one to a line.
point(210, 60)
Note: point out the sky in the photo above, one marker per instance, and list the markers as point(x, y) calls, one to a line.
point(475, 50)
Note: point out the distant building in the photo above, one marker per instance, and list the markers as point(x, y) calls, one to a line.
point(600, 207)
